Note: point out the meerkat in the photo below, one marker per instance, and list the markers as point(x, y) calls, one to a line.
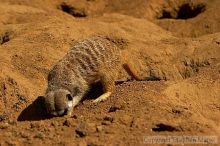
point(91, 60)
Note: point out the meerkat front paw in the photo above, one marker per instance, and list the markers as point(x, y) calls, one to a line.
point(103, 97)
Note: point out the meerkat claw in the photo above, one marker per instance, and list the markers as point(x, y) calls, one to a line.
point(103, 97)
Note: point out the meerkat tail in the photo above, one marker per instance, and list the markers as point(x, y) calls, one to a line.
point(103, 97)
point(130, 69)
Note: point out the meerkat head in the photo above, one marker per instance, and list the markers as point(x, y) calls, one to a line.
point(59, 102)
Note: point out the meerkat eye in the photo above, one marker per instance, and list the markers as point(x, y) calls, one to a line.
point(69, 97)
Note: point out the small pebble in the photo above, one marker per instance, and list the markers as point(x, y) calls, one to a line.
point(99, 128)
point(4, 126)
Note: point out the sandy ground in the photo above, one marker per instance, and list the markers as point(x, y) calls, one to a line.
point(174, 44)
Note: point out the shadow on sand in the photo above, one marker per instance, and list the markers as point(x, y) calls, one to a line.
point(37, 110)
point(34, 112)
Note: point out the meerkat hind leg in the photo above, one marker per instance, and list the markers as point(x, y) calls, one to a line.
point(108, 83)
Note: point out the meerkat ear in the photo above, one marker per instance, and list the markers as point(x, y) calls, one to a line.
point(69, 97)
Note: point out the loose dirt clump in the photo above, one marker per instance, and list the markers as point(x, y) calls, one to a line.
point(5, 36)
point(12, 98)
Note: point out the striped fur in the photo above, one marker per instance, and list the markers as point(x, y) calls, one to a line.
point(83, 63)
point(91, 60)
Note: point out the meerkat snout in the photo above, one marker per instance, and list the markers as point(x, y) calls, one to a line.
point(58, 102)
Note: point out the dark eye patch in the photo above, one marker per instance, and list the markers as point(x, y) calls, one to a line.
point(69, 97)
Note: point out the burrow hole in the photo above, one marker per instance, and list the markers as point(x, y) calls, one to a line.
point(164, 127)
point(185, 11)
point(79, 13)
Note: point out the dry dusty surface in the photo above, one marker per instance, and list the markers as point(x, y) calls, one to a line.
point(175, 45)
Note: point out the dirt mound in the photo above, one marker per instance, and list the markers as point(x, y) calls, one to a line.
point(179, 97)
point(186, 18)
